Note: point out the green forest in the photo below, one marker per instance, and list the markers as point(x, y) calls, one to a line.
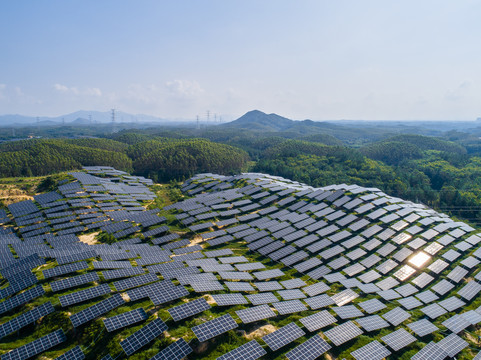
point(442, 172)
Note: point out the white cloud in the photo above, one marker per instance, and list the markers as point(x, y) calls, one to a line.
point(61, 88)
point(75, 91)
point(184, 88)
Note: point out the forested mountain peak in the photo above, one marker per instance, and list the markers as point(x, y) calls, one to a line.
point(258, 120)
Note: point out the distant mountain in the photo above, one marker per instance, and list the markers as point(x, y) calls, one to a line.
point(78, 118)
point(256, 120)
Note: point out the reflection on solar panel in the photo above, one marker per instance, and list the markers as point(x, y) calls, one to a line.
point(283, 336)
point(309, 350)
point(248, 351)
point(84, 295)
point(215, 327)
point(96, 310)
point(27, 318)
point(255, 313)
point(175, 351)
point(143, 336)
point(372, 351)
point(120, 321)
point(36, 347)
point(344, 297)
point(188, 309)
point(73, 354)
point(342, 333)
point(318, 321)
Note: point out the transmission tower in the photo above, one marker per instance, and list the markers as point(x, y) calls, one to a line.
point(113, 121)
point(198, 123)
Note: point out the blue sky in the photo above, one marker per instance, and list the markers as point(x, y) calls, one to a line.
point(316, 59)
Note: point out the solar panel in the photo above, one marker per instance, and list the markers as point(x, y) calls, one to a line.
point(229, 299)
point(175, 351)
point(27, 318)
point(169, 294)
point(125, 319)
point(239, 286)
point(207, 286)
point(344, 297)
point(94, 311)
point(75, 353)
point(289, 307)
point(21, 299)
point(84, 295)
point(283, 336)
point(291, 294)
point(120, 273)
point(36, 347)
point(316, 289)
point(255, 313)
point(129, 283)
point(65, 269)
point(188, 309)
point(215, 327)
point(396, 316)
point(318, 320)
point(248, 351)
point(319, 301)
point(342, 333)
point(143, 336)
point(74, 281)
point(433, 310)
point(371, 306)
point(452, 303)
point(347, 311)
point(398, 339)
point(456, 323)
point(431, 351)
point(268, 286)
point(372, 351)
point(373, 322)
point(452, 345)
point(422, 327)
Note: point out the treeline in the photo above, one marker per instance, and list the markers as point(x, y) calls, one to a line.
point(162, 159)
point(43, 157)
point(433, 171)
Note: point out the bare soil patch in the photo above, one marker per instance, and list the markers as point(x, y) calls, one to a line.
point(89, 238)
point(261, 331)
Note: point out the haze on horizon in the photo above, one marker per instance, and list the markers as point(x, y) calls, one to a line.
point(315, 59)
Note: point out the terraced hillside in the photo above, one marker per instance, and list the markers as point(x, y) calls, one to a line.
point(246, 267)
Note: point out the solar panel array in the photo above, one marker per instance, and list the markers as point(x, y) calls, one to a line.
point(362, 239)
